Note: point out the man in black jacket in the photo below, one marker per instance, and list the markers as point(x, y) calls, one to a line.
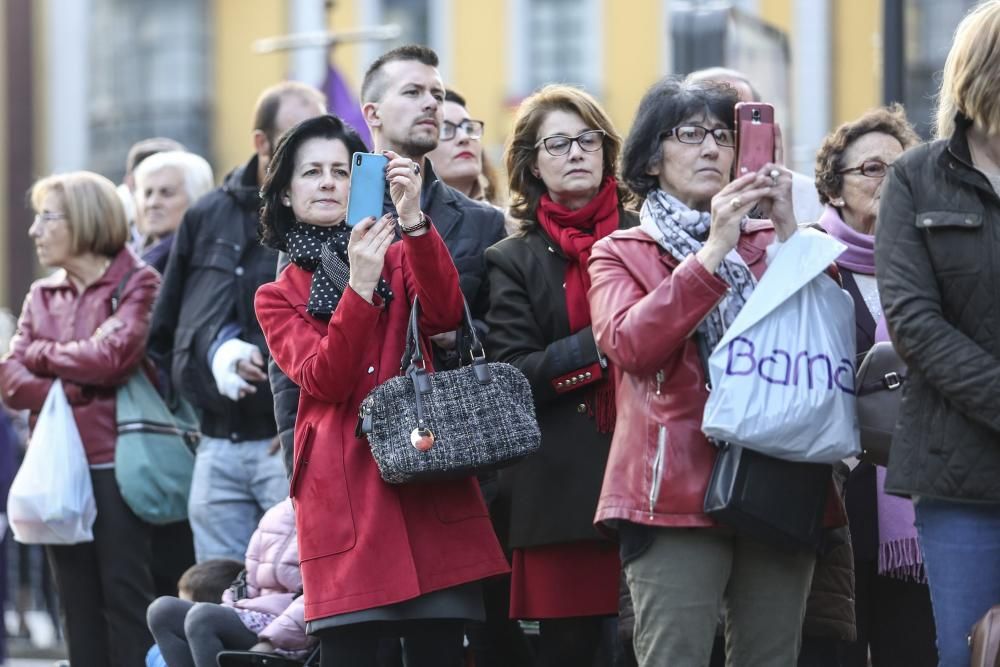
point(206, 338)
point(402, 100)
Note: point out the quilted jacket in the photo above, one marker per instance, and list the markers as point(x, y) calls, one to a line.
point(937, 260)
point(274, 582)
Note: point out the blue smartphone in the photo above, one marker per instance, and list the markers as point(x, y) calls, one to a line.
point(367, 187)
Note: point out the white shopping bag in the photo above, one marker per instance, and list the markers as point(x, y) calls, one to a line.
point(51, 499)
point(783, 373)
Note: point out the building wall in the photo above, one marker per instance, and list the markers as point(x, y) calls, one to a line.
point(478, 34)
point(240, 74)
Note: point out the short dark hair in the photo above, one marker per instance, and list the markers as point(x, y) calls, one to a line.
point(141, 150)
point(207, 580)
point(890, 120)
point(451, 96)
point(667, 103)
point(265, 112)
point(276, 218)
point(373, 85)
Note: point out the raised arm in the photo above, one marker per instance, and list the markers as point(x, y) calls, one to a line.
point(325, 365)
point(638, 330)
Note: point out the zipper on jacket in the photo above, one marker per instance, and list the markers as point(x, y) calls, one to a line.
point(660, 375)
point(658, 463)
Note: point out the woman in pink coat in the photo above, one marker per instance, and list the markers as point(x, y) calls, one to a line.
point(261, 611)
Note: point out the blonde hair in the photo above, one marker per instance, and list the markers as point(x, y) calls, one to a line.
point(968, 84)
point(94, 213)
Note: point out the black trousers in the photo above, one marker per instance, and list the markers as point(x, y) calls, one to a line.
point(105, 585)
point(426, 643)
point(895, 621)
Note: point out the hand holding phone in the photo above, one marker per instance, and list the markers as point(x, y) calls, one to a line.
point(367, 187)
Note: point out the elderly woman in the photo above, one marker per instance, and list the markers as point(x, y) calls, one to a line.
point(660, 294)
point(892, 605)
point(67, 331)
point(561, 161)
point(167, 184)
point(377, 559)
point(937, 261)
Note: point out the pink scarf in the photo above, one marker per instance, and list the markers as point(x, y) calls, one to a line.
point(860, 254)
point(899, 553)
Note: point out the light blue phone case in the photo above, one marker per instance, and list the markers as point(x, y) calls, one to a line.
point(367, 187)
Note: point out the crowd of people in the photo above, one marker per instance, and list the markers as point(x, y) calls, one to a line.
point(606, 269)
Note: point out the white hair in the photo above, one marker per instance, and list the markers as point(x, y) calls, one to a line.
point(195, 171)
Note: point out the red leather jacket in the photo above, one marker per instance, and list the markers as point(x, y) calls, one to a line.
point(644, 307)
point(57, 337)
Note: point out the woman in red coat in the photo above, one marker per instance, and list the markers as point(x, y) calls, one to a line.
point(377, 559)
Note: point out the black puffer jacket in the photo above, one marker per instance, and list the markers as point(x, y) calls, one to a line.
point(937, 258)
point(214, 270)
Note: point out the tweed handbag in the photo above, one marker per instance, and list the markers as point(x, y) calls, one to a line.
point(424, 426)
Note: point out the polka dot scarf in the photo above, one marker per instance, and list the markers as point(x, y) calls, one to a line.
point(311, 247)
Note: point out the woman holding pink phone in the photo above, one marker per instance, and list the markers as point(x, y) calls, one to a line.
point(377, 559)
point(661, 295)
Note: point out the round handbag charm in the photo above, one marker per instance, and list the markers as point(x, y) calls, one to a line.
point(422, 438)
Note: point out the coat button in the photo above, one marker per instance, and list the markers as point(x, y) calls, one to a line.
point(239, 270)
point(371, 369)
point(927, 222)
point(235, 437)
point(581, 408)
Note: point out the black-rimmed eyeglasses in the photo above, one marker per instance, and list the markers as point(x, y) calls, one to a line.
point(558, 145)
point(473, 129)
point(695, 134)
point(869, 168)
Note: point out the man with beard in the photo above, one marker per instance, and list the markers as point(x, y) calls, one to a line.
point(402, 99)
point(205, 337)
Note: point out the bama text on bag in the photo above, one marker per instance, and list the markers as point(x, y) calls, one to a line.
point(783, 374)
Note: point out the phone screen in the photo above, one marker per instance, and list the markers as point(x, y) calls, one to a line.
point(367, 187)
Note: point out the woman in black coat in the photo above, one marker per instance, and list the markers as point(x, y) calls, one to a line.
point(561, 161)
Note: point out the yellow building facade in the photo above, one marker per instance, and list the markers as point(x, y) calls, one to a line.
point(477, 38)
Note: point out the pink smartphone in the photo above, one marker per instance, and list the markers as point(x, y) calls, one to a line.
point(754, 137)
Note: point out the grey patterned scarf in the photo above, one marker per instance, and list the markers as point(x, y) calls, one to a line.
point(682, 231)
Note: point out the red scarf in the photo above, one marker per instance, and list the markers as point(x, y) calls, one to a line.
point(576, 232)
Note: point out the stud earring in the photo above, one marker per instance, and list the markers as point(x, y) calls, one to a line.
point(838, 203)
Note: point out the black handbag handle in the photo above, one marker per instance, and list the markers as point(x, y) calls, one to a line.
point(412, 352)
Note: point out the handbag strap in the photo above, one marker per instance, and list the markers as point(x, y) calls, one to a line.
point(116, 297)
point(413, 353)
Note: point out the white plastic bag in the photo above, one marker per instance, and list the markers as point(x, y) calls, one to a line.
point(783, 374)
point(51, 499)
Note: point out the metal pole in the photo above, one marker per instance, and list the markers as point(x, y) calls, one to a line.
point(894, 54)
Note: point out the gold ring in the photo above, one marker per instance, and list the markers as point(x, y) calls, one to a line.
point(774, 176)
point(735, 203)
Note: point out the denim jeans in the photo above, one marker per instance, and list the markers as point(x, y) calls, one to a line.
point(961, 547)
point(234, 483)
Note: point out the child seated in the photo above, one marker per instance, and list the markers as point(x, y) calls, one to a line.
point(262, 611)
point(202, 582)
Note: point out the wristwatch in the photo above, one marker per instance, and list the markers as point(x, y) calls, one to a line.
point(417, 226)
